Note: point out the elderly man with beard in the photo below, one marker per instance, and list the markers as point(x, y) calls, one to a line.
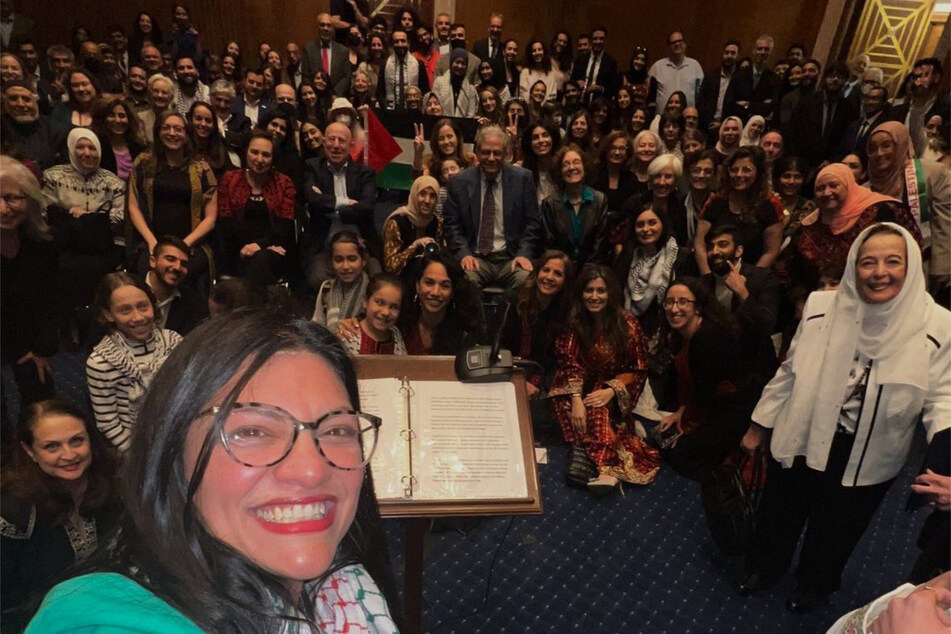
point(161, 93)
point(180, 308)
point(751, 294)
point(35, 136)
point(189, 87)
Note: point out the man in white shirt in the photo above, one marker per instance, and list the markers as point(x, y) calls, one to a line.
point(675, 72)
point(443, 28)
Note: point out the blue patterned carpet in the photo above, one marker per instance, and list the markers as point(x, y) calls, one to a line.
point(643, 562)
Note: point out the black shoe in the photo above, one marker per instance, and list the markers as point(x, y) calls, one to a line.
point(805, 599)
point(751, 583)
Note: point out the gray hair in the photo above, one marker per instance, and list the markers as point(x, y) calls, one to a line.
point(644, 133)
point(222, 87)
point(878, 72)
point(35, 219)
point(768, 38)
point(663, 162)
point(492, 130)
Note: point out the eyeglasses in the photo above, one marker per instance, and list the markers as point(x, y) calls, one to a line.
point(679, 302)
point(261, 435)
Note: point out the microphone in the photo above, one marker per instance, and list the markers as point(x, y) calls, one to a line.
point(486, 364)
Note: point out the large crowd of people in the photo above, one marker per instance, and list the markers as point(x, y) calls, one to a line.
point(761, 249)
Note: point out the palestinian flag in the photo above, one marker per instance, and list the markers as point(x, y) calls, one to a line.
point(389, 149)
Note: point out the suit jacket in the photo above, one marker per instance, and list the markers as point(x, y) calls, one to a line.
point(339, 65)
point(607, 73)
point(741, 89)
point(237, 107)
point(186, 311)
point(852, 142)
point(361, 186)
point(22, 27)
point(463, 210)
point(556, 220)
point(472, 70)
point(808, 140)
point(238, 131)
point(481, 50)
point(707, 98)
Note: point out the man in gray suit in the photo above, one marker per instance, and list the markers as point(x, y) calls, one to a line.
point(326, 54)
point(491, 215)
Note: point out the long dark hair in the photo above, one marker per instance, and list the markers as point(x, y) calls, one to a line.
point(608, 321)
point(134, 135)
point(434, 140)
point(529, 158)
point(215, 153)
point(464, 322)
point(137, 38)
point(545, 65)
point(707, 306)
point(162, 544)
point(528, 307)
point(566, 57)
point(22, 479)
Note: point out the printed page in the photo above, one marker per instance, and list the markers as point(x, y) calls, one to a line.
point(390, 462)
point(467, 444)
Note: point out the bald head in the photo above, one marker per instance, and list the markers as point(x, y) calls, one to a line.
point(337, 139)
point(284, 93)
point(325, 27)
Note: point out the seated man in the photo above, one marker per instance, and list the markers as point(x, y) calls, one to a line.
point(37, 137)
point(340, 195)
point(750, 293)
point(180, 308)
point(491, 215)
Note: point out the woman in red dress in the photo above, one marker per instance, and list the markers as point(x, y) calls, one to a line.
point(602, 368)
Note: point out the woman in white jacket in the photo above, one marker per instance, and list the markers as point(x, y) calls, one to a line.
point(867, 362)
point(454, 91)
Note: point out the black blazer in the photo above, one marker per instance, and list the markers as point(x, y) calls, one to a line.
point(852, 141)
point(339, 65)
point(463, 209)
point(607, 72)
point(741, 89)
point(237, 132)
point(237, 107)
point(556, 220)
point(481, 50)
point(186, 311)
point(361, 186)
point(707, 98)
point(807, 139)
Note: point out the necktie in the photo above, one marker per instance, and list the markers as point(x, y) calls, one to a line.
point(862, 130)
point(325, 53)
point(594, 62)
point(487, 223)
point(491, 50)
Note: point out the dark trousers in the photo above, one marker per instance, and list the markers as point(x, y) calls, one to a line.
point(835, 518)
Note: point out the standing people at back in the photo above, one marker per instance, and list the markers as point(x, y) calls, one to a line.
point(596, 70)
point(327, 55)
point(675, 72)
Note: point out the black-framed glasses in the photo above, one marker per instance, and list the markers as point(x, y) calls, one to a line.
point(262, 435)
point(679, 302)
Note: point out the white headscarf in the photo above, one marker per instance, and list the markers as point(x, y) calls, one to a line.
point(745, 138)
point(877, 331)
point(75, 136)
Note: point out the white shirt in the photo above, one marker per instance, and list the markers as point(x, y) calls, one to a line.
point(595, 62)
point(251, 111)
point(163, 306)
point(670, 78)
point(223, 130)
point(724, 84)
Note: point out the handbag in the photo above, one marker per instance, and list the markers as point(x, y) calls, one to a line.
point(580, 469)
point(729, 507)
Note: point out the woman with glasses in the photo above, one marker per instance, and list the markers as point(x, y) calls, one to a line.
point(706, 392)
point(614, 176)
point(250, 501)
point(602, 368)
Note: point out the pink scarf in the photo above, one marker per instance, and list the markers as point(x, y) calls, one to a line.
point(857, 200)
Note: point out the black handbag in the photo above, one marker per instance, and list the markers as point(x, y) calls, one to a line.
point(580, 469)
point(729, 507)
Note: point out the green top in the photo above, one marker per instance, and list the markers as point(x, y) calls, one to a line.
point(107, 603)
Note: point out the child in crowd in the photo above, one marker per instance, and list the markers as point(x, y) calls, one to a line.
point(122, 364)
point(378, 331)
point(339, 297)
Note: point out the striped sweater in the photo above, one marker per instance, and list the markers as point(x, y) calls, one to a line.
point(118, 372)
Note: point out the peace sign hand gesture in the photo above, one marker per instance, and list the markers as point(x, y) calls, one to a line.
point(419, 140)
point(735, 281)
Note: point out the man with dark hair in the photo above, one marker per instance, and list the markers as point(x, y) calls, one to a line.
point(251, 103)
point(595, 71)
point(180, 308)
point(807, 85)
point(426, 51)
point(925, 101)
point(821, 118)
point(491, 215)
point(52, 87)
point(120, 46)
point(26, 49)
point(400, 71)
point(582, 43)
point(137, 89)
point(189, 87)
point(713, 89)
point(13, 26)
point(796, 53)
point(674, 72)
point(327, 55)
point(753, 90)
point(874, 112)
point(34, 135)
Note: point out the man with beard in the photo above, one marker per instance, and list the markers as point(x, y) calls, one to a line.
point(927, 100)
point(161, 93)
point(807, 85)
point(190, 87)
point(821, 118)
point(327, 55)
point(754, 90)
point(714, 86)
point(180, 308)
point(751, 294)
point(426, 51)
point(595, 71)
point(874, 112)
point(294, 61)
point(33, 135)
point(400, 71)
point(137, 88)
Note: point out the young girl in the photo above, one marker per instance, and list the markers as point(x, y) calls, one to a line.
point(378, 331)
point(339, 297)
point(122, 364)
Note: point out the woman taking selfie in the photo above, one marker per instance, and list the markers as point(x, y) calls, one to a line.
point(238, 521)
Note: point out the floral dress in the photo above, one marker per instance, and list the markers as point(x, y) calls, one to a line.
point(609, 439)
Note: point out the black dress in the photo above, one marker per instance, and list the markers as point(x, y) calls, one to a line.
point(750, 227)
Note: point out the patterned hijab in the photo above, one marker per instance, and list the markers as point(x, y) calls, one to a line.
point(891, 182)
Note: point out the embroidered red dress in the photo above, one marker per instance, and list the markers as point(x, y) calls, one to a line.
point(609, 438)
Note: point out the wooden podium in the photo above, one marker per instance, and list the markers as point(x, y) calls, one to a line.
point(417, 513)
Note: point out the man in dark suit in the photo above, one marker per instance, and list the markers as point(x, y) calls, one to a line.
point(251, 103)
point(874, 112)
point(233, 127)
point(326, 54)
point(491, 215)
point(181, 307)
point(712, 93)
point(489, 49)
point(821, 118)
point(13, 26)
point(751, 294)
point(596, 70)
point(755, 89)
point(925, 101)
point(340, 195)
point(37, 137)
